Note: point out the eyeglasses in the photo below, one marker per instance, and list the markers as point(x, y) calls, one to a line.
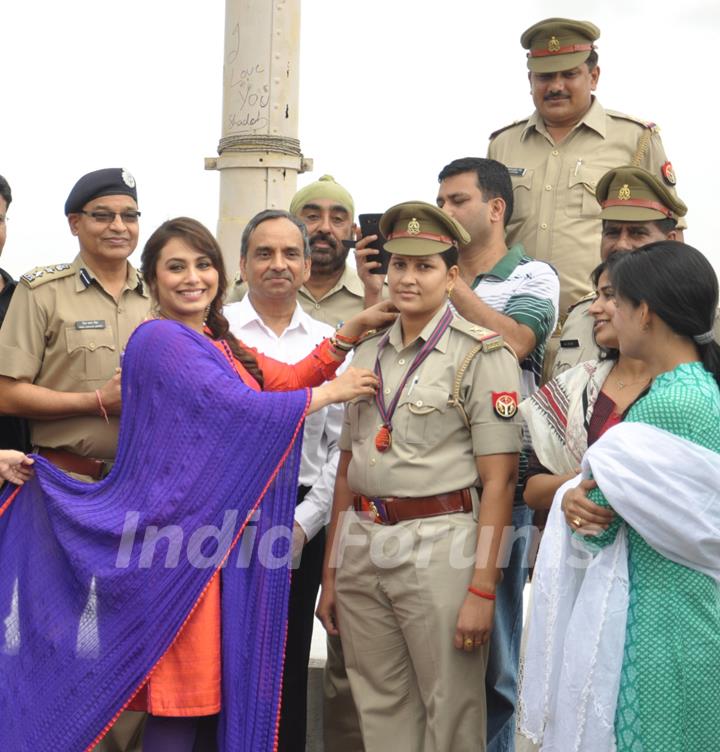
point(108, 217)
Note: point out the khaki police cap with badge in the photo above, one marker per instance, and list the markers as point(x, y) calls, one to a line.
point(416, 228)
point(632, 194)
point(558, 44)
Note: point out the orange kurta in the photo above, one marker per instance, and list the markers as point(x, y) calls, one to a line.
point(186, 681)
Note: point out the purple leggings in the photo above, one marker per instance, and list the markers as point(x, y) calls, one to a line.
point(169, 734)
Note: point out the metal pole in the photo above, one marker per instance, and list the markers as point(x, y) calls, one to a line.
point(259, 151)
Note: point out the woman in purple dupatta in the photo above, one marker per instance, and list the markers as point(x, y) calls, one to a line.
point(97, 580)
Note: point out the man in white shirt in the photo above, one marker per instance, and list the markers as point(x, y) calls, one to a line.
point(275, 263)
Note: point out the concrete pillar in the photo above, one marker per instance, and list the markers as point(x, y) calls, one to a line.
point(259, 151)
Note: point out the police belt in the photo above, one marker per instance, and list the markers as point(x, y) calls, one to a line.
point(75, 463)
point(394, 509)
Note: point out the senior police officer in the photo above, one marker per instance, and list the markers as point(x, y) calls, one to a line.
point(413, 597)
point(62, 339)
point(636, 208)
point(557, 156)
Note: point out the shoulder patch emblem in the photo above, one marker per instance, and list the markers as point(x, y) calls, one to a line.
point(668, 173)
point(505, 404)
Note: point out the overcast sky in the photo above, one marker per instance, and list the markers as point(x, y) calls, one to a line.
point(391, 90)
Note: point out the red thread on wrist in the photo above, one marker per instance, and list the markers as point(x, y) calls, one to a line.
point(103, 411)
point(481, 593)
point(342, 338)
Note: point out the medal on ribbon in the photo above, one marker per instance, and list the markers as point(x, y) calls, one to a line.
point(383, 439)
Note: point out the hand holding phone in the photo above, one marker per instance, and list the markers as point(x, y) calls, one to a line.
point(369, 225)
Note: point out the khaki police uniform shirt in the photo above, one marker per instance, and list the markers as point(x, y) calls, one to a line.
point(556, 216)
point(577, 343)
point(432, 449)
point(64, 332)
point(340, 303)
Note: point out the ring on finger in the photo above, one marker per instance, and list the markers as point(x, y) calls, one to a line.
point(469, 642)
point(577, 521)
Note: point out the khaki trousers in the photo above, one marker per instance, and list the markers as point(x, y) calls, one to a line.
point(399, 590)
point(341, 726)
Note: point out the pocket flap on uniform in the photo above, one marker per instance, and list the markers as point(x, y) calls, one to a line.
point(586, 177)
point(425, 399)
point(89, 339)
point(523, 181)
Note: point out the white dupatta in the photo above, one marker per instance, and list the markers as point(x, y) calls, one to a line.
point(663, 486)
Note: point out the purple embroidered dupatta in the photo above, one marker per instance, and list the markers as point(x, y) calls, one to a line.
point(86, 613)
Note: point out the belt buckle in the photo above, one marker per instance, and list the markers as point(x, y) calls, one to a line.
point(377, 510)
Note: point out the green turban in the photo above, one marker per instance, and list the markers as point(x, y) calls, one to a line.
point(326, 187)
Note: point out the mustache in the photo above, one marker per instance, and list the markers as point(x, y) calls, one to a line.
point(552, 96)
point(325, 237)
point(278, 275)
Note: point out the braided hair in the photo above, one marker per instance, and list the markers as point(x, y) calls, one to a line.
point(198, 237)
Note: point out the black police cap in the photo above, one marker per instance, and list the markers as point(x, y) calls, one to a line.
point(112, 181)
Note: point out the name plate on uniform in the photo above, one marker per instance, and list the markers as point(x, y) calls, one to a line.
point(569, 343)
point(517, 172)
point(92, 324)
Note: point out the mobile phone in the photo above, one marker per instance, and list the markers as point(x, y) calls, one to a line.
point(370, 225)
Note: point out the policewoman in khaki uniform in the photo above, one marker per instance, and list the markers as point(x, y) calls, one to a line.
point(424, 466)
point(61, 342)
point(636, 208)
point(557, 156)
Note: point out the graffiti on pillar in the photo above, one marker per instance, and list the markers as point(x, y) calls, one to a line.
point(249, 92)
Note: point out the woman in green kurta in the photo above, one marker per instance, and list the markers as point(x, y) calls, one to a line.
point(669, 696)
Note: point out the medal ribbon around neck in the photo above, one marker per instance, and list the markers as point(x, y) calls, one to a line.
point(383, 438)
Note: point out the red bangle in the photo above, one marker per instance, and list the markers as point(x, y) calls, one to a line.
point(481, 593)
point(103, 411)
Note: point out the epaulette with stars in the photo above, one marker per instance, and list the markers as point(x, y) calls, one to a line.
point(489, 339)
point(42, 274)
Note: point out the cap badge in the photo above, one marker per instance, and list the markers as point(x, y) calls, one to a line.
point(624, 193)
point(668, 173)
point(128, 179)
point(553, 44)
point(413, 227)
point(505, 404)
